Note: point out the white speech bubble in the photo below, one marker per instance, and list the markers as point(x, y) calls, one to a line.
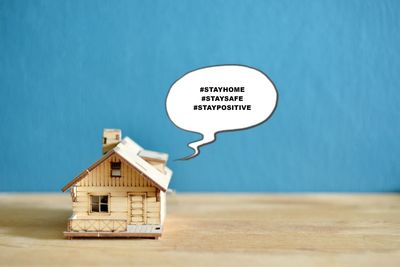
point(249, 98)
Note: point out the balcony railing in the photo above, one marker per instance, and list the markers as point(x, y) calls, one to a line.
point(97, 225)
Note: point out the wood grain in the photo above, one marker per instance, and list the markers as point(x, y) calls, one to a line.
point(215, 230)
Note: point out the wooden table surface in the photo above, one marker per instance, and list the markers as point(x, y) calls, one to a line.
point(215, 230)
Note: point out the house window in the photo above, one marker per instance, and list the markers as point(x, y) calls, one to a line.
point(115, 169)
point(99, 203)
point(104, 140)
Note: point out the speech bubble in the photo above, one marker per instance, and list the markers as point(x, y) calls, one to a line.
point(222, 98)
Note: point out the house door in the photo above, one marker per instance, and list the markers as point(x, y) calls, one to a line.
point(138, 208)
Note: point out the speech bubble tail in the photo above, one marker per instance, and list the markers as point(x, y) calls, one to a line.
point(207, 138)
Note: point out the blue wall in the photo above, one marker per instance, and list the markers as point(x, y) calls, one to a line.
point(70, 68)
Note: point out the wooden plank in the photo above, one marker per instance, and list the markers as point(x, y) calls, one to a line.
point(94, 177)
point(99, 178)
point(110, 234)
point(80, 194)
point(119, 207)
point(153, 215)
point(136, 205)
point(136, 212)
point(112, 215)
point(119, 204)
point(112, 182)
point(117, 200)
point(124, 174)
point(137, 179)
point(153, 205)
point(82, 199)
point(136, 198)
point(153, 221)
point(116, 189)
point(135, 218)
point(103, 173)
point(151, 200)
point(90, 179)
point(120, 194)
point(129, 178)
point(153, 209)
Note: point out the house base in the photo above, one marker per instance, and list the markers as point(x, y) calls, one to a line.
point(71, 235)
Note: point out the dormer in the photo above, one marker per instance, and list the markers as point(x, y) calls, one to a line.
point(157, 159)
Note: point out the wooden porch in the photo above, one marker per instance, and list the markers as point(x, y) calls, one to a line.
point(71, 235)
point(96, 228)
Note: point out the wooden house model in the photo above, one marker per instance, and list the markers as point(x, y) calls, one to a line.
point(123, 194)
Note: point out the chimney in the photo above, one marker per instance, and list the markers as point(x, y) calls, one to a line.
point(111, 138)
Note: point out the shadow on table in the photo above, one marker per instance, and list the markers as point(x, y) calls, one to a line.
point(33, 222)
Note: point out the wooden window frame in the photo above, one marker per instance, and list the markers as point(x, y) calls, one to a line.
point(120, 169)
point(108, 212)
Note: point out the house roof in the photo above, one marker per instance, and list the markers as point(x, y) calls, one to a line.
point(131, 152)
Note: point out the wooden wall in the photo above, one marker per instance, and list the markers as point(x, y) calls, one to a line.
point(101, 175)
point(99, 181)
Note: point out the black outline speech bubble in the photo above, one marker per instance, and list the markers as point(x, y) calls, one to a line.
point(231, 130)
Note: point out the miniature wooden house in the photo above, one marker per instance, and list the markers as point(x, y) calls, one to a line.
point(122, 194)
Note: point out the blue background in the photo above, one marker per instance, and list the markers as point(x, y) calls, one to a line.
point(68, 69)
